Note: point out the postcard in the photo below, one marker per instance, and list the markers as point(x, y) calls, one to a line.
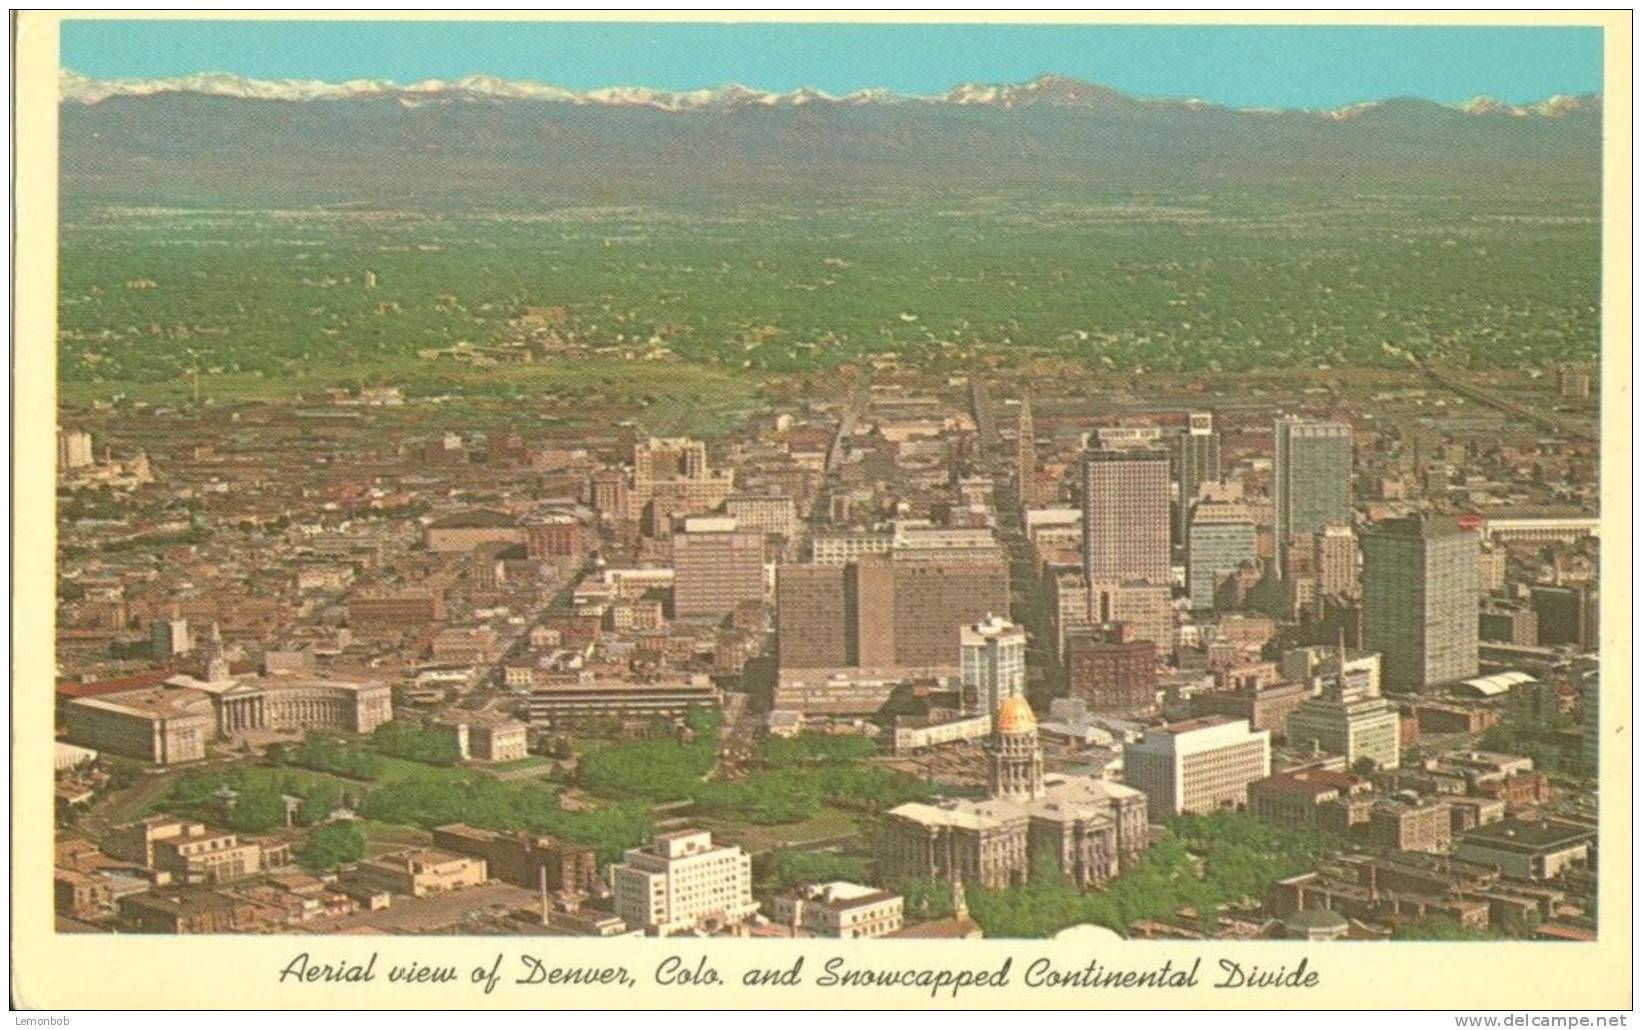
point(777, 511)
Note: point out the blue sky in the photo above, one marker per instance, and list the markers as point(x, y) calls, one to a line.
point(1274, 66)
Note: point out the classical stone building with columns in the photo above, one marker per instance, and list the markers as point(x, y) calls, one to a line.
point(287, 704)
point(1093, 829)
point(171, 723)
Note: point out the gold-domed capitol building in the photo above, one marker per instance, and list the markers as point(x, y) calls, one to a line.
point(1015, 716)
point(1093, 828)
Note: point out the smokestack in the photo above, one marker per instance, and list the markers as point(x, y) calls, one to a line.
point(541, 884)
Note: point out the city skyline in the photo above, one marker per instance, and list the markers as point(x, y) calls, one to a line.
point(1043, 512)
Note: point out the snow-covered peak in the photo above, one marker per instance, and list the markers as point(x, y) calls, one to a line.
point(1046, 90)
point(1491, 105)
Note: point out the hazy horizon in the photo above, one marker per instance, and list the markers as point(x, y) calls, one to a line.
point(1238, 66)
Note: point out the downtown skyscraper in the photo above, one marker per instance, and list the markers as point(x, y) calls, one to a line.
point(1311, 479)
point(1197, 461)
point(1126, 516)
point(1420, 600)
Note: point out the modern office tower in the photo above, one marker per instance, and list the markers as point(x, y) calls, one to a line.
point(870, 593)
point(1197, 461)
point(170, 637)
point(716, 566)
point(879, 612)
point(1563, 615)
point(931, 599)
point(1198, 766)
point(1334, 560)
point(992, 661)
point(1220, 540)
point(1144, 607)
point(1311, 479)
point(811, 617)
point(1126, 516)
point(1349, 720)
point(1420, 600)
point(683, 882)
point(1026, 457)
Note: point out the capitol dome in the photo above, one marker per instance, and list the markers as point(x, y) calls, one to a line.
point(1015, 716)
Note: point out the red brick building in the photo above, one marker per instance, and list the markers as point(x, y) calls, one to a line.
point(524, 860)
point(1109, 674)
point(553, 537)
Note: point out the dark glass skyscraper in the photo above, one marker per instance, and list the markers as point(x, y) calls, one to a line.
point(1420, 600)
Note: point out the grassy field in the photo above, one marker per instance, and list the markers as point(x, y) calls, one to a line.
point(662, 398)
point(382, 838)
point(673, 316)
point(827, 825)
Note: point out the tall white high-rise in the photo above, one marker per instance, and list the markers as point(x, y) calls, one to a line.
point(992, 657)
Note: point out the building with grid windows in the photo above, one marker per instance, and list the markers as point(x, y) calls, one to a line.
point(1311, 479)
point(1197, 461)
point(1420, 600)
point(716, 566)
point(992, 661)
point(683, 882)
point(1198, 766)
point(1126, 516)
point(1220, 541)
point(1348, 720)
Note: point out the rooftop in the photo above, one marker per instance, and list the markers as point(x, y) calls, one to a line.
point(478, 518)
point(1521, 833)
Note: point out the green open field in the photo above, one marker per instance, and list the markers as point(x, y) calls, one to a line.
point(826, 826)
point(678, 315)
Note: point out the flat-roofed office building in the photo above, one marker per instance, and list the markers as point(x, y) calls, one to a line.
point(1126, 516)
point(1420, 600)
point(1201, 765)
point(1311, 479)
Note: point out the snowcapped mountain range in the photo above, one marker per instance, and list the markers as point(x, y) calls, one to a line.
point(1044, 91)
